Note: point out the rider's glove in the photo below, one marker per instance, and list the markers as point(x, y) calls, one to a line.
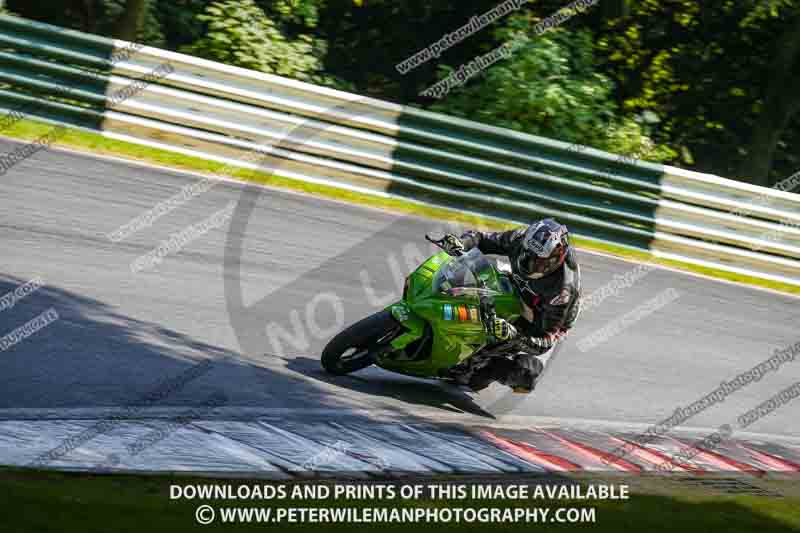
point(503, 330)
point(452, 245)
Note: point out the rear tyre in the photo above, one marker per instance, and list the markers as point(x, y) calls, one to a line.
point(356, 347)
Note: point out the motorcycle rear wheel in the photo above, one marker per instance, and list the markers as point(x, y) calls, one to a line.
point(356, 347)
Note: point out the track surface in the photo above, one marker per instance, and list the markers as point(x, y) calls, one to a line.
point(121, 333)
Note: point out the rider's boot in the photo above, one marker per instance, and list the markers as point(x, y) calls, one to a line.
point(523, 375)
point(494, 370)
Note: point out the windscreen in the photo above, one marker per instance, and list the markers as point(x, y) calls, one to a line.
point(471, 270)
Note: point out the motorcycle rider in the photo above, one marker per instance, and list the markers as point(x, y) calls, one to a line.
point(547, 276)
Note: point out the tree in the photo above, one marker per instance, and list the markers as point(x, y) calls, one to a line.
point(368, 40)
point(128, 24)
point(714, 82)
point(240, 33)
point(612, 9)
point(132, 20)
point(78, 14)
point(713, 72)
point(780, 103)
point(551, 87)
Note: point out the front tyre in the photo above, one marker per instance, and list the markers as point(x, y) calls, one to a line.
point(356, 347)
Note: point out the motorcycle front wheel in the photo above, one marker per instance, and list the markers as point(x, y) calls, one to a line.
point(356, 347)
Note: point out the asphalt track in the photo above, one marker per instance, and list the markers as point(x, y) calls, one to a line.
point(120, 333)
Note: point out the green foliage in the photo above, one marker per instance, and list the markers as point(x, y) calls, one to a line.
point(550, 87)
point(766, 9)
point(240, 33)
point(705, 69)
point(696, 79)
point(179, 22)
point(300, 12)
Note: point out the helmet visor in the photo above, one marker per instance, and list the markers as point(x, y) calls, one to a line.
point(535, 267)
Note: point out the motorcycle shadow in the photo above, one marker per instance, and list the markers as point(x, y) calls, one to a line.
point(377, 382)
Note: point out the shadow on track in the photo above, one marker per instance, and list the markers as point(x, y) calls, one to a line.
point(376, 382)
point(94, 357)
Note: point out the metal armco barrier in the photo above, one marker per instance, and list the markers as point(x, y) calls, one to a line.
point(312, 133)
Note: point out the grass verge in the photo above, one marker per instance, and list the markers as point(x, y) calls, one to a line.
point(95, 143)
point(35, 501)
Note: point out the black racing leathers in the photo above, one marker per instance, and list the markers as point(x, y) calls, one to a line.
point(554, 299)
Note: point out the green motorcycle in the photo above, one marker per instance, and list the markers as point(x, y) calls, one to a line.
point(443, 326)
